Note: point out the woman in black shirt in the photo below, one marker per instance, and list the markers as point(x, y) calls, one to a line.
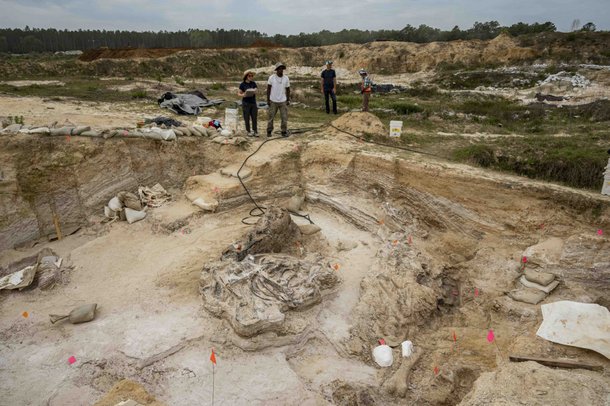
point(247, 90)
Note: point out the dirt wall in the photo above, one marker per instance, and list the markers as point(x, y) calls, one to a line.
point(43, 177)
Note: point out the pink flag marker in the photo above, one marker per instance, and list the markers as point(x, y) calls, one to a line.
point(436, 370)
point(476, 292)
point(600, 232)
point(524, 259)
point(490, 336)
point(72, 360)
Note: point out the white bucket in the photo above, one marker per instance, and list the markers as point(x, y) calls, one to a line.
point(407, 348)
point(230, 120)
point(382, 354)
point(606, 185)
point(395, 128)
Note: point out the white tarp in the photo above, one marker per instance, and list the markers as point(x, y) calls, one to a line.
point(19, 279)
point(583, 325)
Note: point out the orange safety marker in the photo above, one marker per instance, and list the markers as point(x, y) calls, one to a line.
point(336, 267)
point(25, 315)
point(213, 360)
point(454, 337)
point(436, 370)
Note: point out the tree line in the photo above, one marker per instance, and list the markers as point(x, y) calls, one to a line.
point(20, 41)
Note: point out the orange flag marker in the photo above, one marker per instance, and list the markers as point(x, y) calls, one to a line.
point(213, 357)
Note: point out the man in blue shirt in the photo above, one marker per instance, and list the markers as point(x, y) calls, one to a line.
point(329, 86)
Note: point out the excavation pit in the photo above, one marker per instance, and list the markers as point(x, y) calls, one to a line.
point(409, 248)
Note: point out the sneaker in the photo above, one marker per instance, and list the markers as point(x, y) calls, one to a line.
point(284, 134)
point(255, 134)
point(250, 133)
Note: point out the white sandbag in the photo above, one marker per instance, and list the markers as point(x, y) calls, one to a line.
point(159, 134)
point(546, 289)
point(13, 128)
point(81, 129)
point(583, 325)
point(226, 133)
point(109, 213)
point(407, 348)
point(25, 129)
point(309, 229)
point(382, 354)
point(115, 204)
point(203, 120)
point(209, 206)
point(134, 215)
point(39, 130)
point(91, 133)
point(196, 131)
point(186, 131)
point(202, 130)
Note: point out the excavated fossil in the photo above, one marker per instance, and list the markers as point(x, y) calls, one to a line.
point(254, 294)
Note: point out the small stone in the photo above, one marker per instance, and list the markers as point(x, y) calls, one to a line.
point(309, 229)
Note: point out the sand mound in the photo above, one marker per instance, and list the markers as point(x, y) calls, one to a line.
point(127, 389)
point(360, 123)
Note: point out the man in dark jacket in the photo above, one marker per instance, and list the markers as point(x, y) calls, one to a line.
point(329, 86)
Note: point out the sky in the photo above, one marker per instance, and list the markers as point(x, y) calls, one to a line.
point(293, 17)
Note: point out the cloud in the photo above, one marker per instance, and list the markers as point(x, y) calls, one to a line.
point(293, 17)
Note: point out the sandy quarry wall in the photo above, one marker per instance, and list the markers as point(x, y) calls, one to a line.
point(380, 57)
point(43, 176)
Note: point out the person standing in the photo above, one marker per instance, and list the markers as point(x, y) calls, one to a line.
point(329, 86)
point(366, 87)
point(247, 90)
point(278, 98)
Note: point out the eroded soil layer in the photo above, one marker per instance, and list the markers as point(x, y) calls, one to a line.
point(421, 249)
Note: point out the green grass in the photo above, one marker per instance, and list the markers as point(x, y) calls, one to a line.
point(81, 89)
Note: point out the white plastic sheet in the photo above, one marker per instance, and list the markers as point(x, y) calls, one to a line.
point(583, 325)
point(382, 354)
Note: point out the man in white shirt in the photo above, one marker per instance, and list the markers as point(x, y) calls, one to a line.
point(278, 98)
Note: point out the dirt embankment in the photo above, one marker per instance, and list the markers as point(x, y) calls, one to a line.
point(380, 57)
point(44, 177)
point(425, 251)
